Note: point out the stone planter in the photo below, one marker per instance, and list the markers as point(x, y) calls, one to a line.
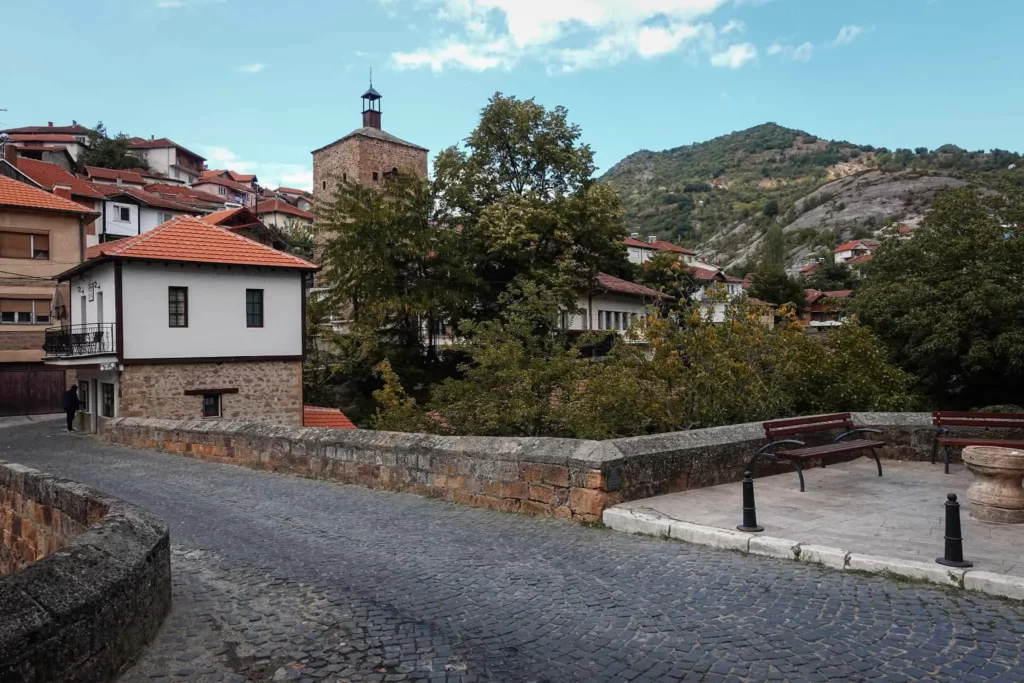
point(997, 494)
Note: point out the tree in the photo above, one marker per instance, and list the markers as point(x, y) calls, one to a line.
point(523, 196)
point(949, 303)
point(665, 272)
point(771, 284)
point(107, 152)
point(771, 208)
point(831, 276)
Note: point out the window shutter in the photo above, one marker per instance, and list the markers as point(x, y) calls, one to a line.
point(15, 245)
point(16, 305)
point(42, 242)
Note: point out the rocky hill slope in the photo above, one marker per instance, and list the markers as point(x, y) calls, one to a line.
point(720, 196)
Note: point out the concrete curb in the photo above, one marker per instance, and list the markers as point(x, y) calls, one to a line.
point(651, 523)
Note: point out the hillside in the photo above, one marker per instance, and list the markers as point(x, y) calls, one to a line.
point(720, 196)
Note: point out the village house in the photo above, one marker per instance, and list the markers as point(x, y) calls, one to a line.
point(228, 190)
point(249, 180)
point(187, 321)
point(55, 179)
point(199, 202)
point(613, 304)
point(299, 198)
point(640, 251)
point(366, 155)
point(281, 214)
point(824, 309)
point(244, 222)
point(110, 176)
point(848, 251)
point(62, 145)
point(169, 159)
point(40, 235)
point(129, 211)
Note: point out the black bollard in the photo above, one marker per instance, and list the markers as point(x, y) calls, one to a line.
point(954, 556)
point(749, 511)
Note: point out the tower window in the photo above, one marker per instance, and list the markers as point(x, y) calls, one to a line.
point(344, 177)
point(324, 185)
point(375, 176)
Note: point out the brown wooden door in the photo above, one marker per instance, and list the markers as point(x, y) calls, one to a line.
point(31, 392)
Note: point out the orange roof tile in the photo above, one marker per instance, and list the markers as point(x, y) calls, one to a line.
point(76, 129)
point(853, 244)
point(314, 416)
point(217, 180)
point(218, 217)
point(147, 198)
point(160, 143)
point(863, 258)
point(191, 240)
point(614, 285)
point(280, 206)
point(49, 175)
point(41, 137)
point(292, 190)
point(114, 174)
point(16, 194)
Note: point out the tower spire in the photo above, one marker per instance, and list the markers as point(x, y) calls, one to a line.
point(371, 106)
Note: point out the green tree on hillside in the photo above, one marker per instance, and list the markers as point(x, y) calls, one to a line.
point(771, 284)
point(949, 303)
point(109, 152)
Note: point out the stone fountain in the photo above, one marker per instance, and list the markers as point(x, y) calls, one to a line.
point(997, 494)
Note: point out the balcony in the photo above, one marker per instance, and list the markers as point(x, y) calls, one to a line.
point(80, 341)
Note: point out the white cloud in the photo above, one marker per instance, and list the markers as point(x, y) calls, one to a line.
point(800, 53)
point(735, 56)
point(565, 34)
point(848, 34)
point(253, 68)
point(270, 173)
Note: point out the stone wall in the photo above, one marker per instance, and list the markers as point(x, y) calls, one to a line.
point(269, 391)
point(358, 157)
point(563, 478)
point(91, 581)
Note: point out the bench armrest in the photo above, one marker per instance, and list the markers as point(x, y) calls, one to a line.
point(862, 430)
point(783, 442)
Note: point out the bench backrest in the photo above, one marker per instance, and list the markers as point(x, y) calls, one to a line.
point(953, 418)
point(778, 429)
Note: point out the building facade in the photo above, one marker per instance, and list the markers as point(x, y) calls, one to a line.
point(169, 159)
point(189, 321)
point(366, 155)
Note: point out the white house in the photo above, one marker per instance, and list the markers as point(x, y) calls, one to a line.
point(299, 198)
point(129, 211)
point(848, 251)
point(640, 251)
point(614, 304)
point(169, 159)
point(279, 213)
point(228, 190)
point(187, 321)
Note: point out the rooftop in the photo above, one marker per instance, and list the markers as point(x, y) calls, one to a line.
point(75, 129)
point(614, 285)
point(18, 195)
point(217, 180)
point(658, 245)
point(48, 174)
point(374, 133)
point(140, 195)
point(160, 143)
point(111, 174)
point(191, 240)
point(281, 206)
point(314, 416)
point(39, 137)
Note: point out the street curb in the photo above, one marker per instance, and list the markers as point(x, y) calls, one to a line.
point(651, 523)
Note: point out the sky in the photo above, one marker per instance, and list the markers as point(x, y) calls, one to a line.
point(256, 85)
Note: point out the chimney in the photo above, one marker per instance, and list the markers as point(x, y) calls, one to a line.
point(152, 137)
point(11, 154)
point(62, 191)
point(50, 124)
point(651, 239)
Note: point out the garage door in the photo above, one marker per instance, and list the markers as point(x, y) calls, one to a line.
point(31, 392)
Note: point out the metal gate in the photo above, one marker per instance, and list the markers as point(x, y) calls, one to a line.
point(31, 392)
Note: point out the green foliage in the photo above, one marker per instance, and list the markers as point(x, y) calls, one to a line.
point(949, 303)
point(666, 273)
point(771, 208)
point(831, 276)
point(775, 287)
point(109, 152)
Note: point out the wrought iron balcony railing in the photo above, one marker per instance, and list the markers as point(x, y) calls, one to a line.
point(74, 341)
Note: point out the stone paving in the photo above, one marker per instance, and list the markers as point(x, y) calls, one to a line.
point(289, 579)
point(847, 505)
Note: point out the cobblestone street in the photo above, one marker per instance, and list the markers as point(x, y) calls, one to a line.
point(280, 578)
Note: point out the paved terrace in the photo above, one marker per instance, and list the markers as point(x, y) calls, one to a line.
point(848, 506)
point(293, 579)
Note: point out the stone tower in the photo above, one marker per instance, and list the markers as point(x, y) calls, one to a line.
point(365, 155)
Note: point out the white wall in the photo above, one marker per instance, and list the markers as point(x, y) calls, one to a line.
point(159, 159)
point(589, 308)
point(151, 217)
point(116, 227)
point(102, 280)
point(280, 220)
point(216, 312)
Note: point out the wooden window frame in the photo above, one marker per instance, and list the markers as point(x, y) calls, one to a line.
point(31, 246)
point(216, 399)
point(184, 313)
point(251, 315)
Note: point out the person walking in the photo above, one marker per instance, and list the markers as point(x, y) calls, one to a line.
point(71, 405)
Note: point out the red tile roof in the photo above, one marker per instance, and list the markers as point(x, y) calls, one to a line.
point(218, 217)
point(185, 193)
point(810, 268)
point(33, 137)
point(814, 295)
point(314, 416)
point(614, 285)
point(292, 190)
point(76, 129)
point(16, 194)
point(49, 175)
point(160, 143)
point(707, 275)
point(147, 198)
point(191, 240)
point(658, 245)
point(215, 180)
point(281, 206)
point(114, 174)
point(863, 258)
point(853, 244)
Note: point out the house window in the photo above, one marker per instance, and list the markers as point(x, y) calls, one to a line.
point(24, 245)
point(177, 174)
point(600, 320)
point(177, 306)
point(617, 321)
point(123, 213)
point(164, 217)
point(375, 176)
point(221, 190)
point(107, 409)
point(24, 311)
point(211, 405)
point(254, 308)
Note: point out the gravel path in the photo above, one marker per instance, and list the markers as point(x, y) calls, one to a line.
point(280, 578)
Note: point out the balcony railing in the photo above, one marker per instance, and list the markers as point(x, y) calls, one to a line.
point(75, 341)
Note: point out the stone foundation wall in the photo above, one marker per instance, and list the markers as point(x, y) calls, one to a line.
point(269, 391)
point(91, 580)
point(562, 478)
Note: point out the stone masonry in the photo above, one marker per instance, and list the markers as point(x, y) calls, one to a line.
point(358, 157)
point(267, 391)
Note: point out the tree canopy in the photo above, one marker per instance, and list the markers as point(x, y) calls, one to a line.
point(110, 152)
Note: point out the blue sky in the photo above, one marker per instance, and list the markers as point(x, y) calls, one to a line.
point(257, 84)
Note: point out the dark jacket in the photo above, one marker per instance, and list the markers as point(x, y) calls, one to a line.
point(71, 402)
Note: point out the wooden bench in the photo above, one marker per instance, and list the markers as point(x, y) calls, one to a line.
point(773, 431)
point(944, 419)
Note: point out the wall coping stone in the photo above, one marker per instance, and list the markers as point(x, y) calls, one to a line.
point(86, 611)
